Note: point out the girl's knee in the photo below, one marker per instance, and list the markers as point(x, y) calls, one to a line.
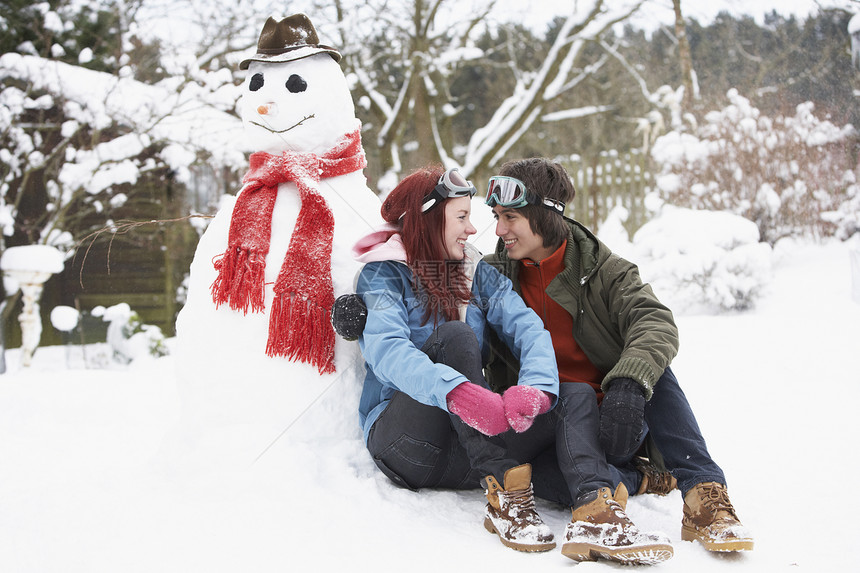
point(457, 332)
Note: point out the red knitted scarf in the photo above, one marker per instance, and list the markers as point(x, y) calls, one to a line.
point(299, 326)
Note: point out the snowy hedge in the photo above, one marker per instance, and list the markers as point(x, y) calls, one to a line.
point(702, 261)
point(789, 175)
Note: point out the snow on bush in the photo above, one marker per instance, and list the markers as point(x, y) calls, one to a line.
point(127, 336)
point(790, 175)
point(846, 217)
point(702, 261)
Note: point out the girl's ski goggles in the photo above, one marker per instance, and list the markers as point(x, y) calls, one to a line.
point(451, 184)
point(511, 193)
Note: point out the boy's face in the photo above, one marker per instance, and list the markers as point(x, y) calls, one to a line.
point(520, 241)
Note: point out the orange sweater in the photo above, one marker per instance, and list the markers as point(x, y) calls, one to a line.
point(573, 364)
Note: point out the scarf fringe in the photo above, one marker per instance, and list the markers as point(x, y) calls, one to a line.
point(301, 330)
point(240, 281)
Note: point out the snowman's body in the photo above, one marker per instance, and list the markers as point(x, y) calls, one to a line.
point(237, 400)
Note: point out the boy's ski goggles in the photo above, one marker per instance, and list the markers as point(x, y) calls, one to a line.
point(511, 193)
point(451, 184)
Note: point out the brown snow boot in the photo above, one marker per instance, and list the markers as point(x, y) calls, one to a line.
point(710, 518)
point(511, 512)
point(599, 527)
point(653, 479)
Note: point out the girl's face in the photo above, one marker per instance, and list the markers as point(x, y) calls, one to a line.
point(457, 227)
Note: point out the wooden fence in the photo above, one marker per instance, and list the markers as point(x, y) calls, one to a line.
point(607, 181)
point(143, 268)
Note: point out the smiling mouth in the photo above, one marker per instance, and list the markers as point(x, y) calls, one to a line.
point(298, 123)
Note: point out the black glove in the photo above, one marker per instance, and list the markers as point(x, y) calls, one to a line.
point(622, 419)
point(348, 316)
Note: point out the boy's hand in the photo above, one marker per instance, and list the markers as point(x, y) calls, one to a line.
point(622, 419)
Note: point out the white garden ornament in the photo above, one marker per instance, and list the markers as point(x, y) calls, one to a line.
point(28, 267)
point(255, 348)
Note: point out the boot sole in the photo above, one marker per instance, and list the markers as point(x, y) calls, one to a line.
point(639, 555)
point(690, 534)
point(525, 547)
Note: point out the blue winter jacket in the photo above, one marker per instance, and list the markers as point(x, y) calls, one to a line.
point(393, 336)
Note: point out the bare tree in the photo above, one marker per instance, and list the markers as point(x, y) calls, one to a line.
point(403, 57)
point(77, 141)
point(686, 60)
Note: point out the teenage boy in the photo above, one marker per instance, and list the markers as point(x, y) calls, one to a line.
point(613, 341)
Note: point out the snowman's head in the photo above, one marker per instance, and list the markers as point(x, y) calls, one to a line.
point(295, 97)
point(301, 105)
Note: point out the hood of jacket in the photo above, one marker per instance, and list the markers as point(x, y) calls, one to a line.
point(381, 244)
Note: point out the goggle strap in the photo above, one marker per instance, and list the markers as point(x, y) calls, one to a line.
point(442, 192)
point(551, 204)
point(433, 198)
point(554, 205)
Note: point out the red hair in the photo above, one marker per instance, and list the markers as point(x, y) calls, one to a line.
point(441, 283)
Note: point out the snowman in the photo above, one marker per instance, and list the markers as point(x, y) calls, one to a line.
point(255, 348)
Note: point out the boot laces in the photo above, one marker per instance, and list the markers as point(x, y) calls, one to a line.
point(619, 512)
point(661, 482)
point(521, 499)
point(716, 499)
point(653, 479)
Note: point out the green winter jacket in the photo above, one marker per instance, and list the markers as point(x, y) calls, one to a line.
point(618, 321)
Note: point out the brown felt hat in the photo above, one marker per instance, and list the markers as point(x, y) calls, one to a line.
point(293, 38)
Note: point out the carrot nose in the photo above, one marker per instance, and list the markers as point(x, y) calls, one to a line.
point(267, 109)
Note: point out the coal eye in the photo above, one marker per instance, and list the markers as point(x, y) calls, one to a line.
point(296, 84)
point(256, 82)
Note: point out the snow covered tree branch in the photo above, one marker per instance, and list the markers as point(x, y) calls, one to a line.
point(410, 62)
point(105, 131)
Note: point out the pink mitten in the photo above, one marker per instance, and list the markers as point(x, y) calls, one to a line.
point(522, 404)
point(478, 407)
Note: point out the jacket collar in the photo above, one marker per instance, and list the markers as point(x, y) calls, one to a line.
point(584, 254)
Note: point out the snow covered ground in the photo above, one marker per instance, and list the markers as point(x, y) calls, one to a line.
point(87, 483)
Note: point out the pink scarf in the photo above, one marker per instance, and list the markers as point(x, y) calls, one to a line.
point(299, 326)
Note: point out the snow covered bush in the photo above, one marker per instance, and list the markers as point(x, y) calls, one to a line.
point(786, 174)
point(702, 261)
point(128, 337)
point(846, 217)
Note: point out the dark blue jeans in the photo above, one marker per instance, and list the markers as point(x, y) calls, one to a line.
point(671, 425)
point(576, 464)
point(676, 434)
point(420, 446)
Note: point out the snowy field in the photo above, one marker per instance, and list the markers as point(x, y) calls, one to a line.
point(86, 486)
